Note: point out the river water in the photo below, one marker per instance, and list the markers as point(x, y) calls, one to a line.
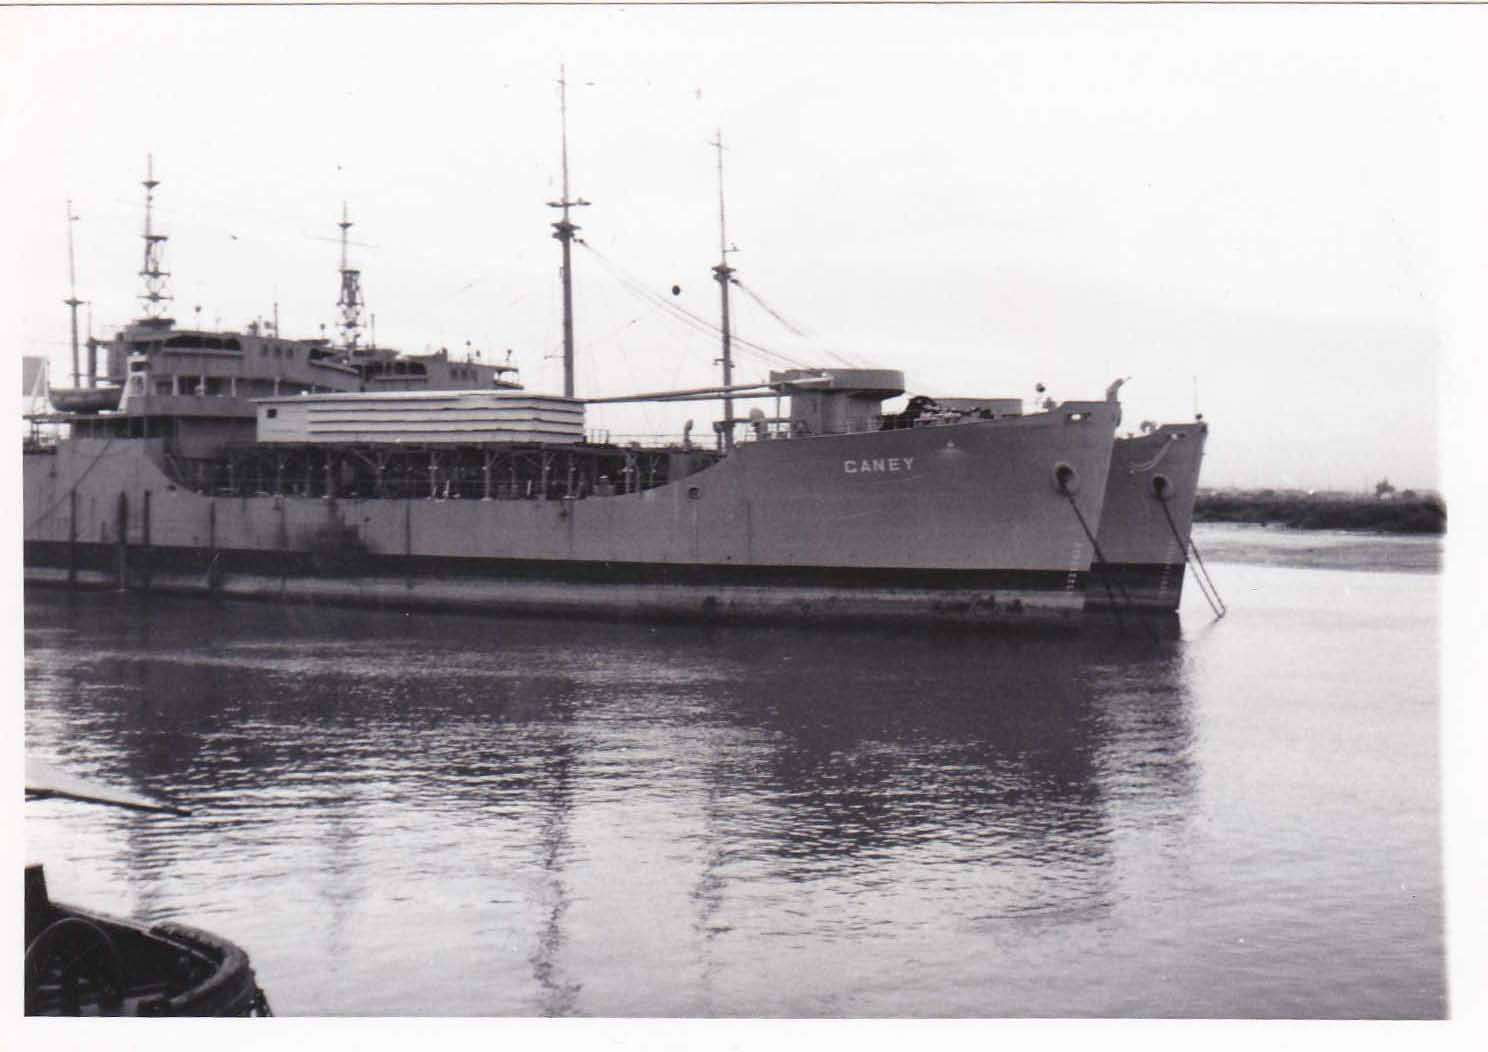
point(449, 815)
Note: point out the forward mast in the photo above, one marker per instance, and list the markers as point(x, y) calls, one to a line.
point(723, 274)
point(564, 231)
point(72, 301)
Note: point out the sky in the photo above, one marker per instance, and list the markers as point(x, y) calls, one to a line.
point(1238, 208)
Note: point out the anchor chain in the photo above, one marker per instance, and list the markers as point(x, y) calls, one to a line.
point(1063, 474)
point(1201, 572)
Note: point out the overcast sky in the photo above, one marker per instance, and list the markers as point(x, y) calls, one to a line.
point(1237, 203)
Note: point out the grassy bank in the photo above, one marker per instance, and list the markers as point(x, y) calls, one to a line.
point(1404, 513)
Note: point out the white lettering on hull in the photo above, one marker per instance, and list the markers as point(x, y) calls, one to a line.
point(877, 465)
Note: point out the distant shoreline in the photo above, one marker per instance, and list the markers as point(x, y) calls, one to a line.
point(1401, 513)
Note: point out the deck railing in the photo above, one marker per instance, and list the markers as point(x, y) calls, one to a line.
point(774, 429)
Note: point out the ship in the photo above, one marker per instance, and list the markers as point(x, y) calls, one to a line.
point(242, 464)
point(839, 518)
point(1145, 536)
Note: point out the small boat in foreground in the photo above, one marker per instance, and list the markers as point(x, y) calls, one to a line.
point(82, 963)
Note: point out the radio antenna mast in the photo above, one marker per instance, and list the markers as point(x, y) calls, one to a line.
point(72, 301)
point(350, 300)
point(154, 296)
point(563, 230)
point(723, 274)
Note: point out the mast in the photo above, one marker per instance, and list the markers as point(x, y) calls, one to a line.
point(72, 301)
point(350, 300)
point(563, 230)
point(722, 273)
point(154, 296)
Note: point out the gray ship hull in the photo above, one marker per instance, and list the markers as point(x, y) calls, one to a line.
point(1147, 517)
point(960, 523)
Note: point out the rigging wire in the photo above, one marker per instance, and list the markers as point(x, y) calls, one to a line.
point(617, 330)
point(771, 311)
point(843, 359)
point(699, 324)
point(639, 288)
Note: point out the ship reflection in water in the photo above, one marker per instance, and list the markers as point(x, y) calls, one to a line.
point(446, 815)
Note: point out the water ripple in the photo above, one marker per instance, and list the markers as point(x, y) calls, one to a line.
point(611, 819)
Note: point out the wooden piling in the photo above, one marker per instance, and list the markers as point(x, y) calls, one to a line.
point(146, 556)
point(213, 577)
point(121, 543)
point(72, 539)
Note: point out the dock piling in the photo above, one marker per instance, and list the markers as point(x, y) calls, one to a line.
point(146, 556)
point(121, 543)
point(72, 539)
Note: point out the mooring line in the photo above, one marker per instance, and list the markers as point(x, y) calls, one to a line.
point(1222, 609)
point(73, 489)
point(1063, 481)
point(1201, 572)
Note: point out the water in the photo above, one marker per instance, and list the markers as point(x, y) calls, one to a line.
point(448, 815)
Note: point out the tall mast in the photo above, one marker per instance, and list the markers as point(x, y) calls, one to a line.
point(350, 300)
point(154, 296)
point(563, 230)
point(723, 273)
point(72, 301)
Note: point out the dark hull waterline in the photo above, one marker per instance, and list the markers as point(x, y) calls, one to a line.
point(742, 593)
